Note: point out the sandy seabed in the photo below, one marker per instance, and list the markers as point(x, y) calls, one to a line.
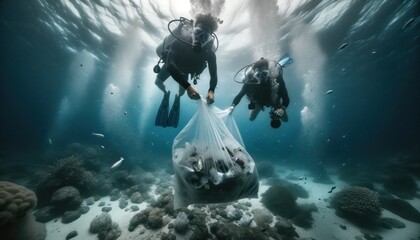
point(326, 224)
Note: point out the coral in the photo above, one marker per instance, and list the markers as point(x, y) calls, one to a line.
point(136, 197)
point(285, 229)
point(139, 218)
point(66, 172)
point(155, 218)
point(150, 217)
point(296, 189)
point(262, 217)
point(304, 217)
point(15, 201)
point(104, 227)
point(359, 204)
point(232, 213)
point(280, 200)
point(112, 233)
point(100, 223)
point(245, 220)
point(166, 202)
point(181, 223)
point(167, 236)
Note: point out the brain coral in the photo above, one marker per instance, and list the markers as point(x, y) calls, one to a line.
point(357, 203)
point(15, 201)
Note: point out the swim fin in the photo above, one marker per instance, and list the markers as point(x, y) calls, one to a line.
point(174, 114)
point(286, 60)
point(162, 114)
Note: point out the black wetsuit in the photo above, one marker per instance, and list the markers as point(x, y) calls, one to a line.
point(260, 94)
point(182, 60)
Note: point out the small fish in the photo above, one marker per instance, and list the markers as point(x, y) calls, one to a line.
point(125, 112)
point(331, 189)
point(102, 146)
point(50, 141)
point(408, 23)
point(301, 178)
point(100, 135)
point(118, 163)
point(328, 92)
point(344, 45)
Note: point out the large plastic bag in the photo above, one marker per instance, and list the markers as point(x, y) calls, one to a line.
point(211, 164)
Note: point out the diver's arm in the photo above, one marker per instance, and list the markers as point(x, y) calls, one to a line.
point(283, 93)
point(211, 60)
point(178, 77)
point(238, 97)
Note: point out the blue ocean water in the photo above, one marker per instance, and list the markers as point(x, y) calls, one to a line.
point(70, 68)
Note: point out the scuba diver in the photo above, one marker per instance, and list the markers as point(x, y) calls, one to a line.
point(264, 86)
point(186, 52)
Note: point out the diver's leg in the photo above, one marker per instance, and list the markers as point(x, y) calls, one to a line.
point(253, 113)
point(161, 77)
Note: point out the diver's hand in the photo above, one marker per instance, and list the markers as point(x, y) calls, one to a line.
point(279, 112)
point(230, 109)
point(210, 97)
point(193, 93)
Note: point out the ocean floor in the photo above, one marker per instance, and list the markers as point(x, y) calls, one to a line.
point(326, 224)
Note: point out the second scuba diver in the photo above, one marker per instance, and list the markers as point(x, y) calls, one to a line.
point(264, 86)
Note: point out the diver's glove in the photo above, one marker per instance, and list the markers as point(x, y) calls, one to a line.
point(192, 93)
point(210, 97)
point(280, 112)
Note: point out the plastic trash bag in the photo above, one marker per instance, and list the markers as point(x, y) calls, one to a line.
point(210, 161)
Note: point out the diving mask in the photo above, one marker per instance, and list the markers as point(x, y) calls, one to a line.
point(200, 38)
point(261, 75)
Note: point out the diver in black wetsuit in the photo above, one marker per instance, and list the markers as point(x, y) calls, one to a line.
point(186, 52)
point(264, 86)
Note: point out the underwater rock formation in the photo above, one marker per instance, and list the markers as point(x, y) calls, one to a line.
point(232, 231)
point(150, 217)
point(66, 172)
point(104, 227)
point(66, 198)
point(181, 223)
point(359, 204)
